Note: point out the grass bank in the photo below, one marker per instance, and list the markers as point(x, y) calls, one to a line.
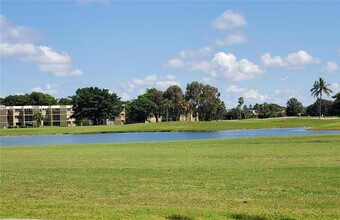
point(183, 126)
point(256, 178)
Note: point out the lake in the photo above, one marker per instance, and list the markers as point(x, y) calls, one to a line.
point(151, 136)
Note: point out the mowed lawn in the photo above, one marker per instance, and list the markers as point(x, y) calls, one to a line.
point(254, 178)
point(313, 123)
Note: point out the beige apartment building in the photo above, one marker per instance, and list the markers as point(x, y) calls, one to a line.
point(22, 116)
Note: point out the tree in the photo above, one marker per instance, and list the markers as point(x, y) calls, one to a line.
point(204, 101)
point(240, 103)
point(336, 105)
point(35, 98)
point(320, 87)
point(326, 108)
point(221, 111)
point(95, 104)
point(157, 98)
point(167, 104)
point(294, 107)
point(38, 117)
point(193, 96)
point(39, 98)
point(209, 102)
point(175, 94)
point(18, 100)
point(65, 101)
point(140, 109)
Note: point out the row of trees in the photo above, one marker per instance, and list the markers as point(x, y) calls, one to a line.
point(319, 108)
point(34, 98)
point(199, 101)
point(293, 108)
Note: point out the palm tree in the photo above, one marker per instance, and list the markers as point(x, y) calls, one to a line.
point(320, 87)
point(240, 103)
point(166, 104)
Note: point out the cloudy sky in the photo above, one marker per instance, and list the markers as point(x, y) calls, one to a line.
point(264, 51)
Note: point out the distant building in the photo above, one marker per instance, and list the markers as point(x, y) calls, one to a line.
point(22, 116)
point(54, 115)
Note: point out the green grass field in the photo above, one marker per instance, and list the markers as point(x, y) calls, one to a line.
point(254, 178)
point(183, 126)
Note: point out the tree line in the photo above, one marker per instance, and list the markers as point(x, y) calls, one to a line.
point(198, 102)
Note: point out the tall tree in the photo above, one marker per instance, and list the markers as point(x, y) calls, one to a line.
point(35, 98)
point(318, 89)
point(175, 94)
point(64, 101)
point(294, 107)
point(39, 98)
point(18, 100)
point(240, 103)
point(95, 104)
point(336, 104)
point(193, 96)
point(157, 98)
point(166, 105)
point(140, 109)
point(326, 108)
point(208, 103)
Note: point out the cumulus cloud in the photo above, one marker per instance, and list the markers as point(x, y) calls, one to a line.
point(11, 33)
point(223, 66)
point(49, 89)
point(331, 67)
point(205, 51)
point(293, 60)
point(236, 38)
point(247, 93)
point(229, 20)
point(137, 84)
point(226, 66)
point(14, 44)
point(175, 63)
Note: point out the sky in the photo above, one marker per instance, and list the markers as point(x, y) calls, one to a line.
point(263, 51)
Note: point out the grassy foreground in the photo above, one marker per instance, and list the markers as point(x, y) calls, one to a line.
point(184, 126)
point(257, 178)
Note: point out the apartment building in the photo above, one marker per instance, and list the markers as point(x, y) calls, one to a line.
point(22, 116)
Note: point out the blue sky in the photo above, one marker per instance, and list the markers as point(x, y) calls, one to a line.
point(264, 51)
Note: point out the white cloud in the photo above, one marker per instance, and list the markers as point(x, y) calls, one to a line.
point(293, 60)
point(335, 87)
point(125, 97)
point(331, 67)
point(247, 93)
point(175, 63)
point(222, 66)
point(171, 77)
point(236, 38)
point(11, 33)
point(229, 20)
point(46, 59)
point(17, 40)
point(226, 66)
point(280, 92)
point(203, 66)
point(138, 85)
point(185, 54)
point(49, 89)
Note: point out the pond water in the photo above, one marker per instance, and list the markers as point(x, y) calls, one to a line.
point(151, 136)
